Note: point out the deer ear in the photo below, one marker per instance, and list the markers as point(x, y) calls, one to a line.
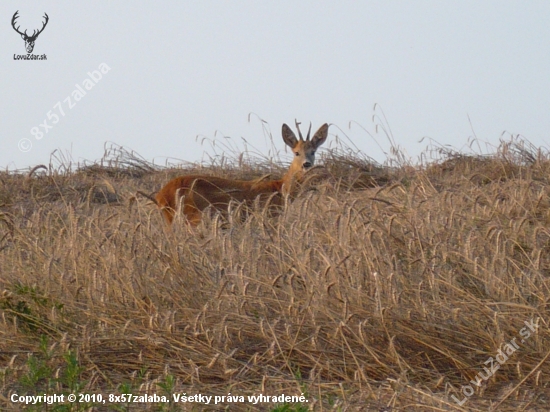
point(289, 137)
point(320, 136)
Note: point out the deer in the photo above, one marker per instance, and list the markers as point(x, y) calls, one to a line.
point(29, 40)
point(195, 193)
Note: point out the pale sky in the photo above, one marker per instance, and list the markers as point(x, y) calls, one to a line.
point(182, 69)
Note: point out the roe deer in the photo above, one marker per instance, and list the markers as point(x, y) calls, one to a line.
point(199, 192)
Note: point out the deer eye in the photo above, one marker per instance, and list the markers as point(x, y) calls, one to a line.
point(297, 153)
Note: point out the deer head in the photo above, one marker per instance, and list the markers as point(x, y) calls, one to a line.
point(29, 40)
point(304, 150)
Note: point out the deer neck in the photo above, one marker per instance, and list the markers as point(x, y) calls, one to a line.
point(283, 185)
point(290, 179)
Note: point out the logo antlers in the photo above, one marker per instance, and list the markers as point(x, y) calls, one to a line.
point(29, 40)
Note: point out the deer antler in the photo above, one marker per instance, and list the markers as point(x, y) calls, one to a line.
point(15, 16)
point(308, 132)
point(43, 26)
point(298, 127)
point(34, 33)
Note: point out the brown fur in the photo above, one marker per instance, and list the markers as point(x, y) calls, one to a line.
point(199, 192)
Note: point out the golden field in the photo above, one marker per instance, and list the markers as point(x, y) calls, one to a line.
point(376, 288)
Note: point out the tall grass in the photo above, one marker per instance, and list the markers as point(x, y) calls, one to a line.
point(376, 289)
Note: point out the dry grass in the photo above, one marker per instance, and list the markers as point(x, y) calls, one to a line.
point(379, 289)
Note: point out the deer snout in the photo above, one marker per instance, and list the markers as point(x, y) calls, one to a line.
point(307, 165)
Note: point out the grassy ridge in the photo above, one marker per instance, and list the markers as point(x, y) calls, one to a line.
point(376, 288)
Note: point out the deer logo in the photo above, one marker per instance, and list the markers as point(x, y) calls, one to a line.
point(29, 40)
